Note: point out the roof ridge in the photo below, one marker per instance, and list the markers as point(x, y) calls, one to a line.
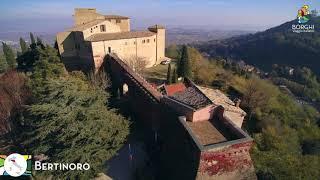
point(120, 35)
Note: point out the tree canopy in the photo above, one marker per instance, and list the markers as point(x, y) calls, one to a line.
point(3, 64)
point(23, 45)
point(33, 40)
point(286, 132)
point(69, 118)
point(184, 65)
point(9, 55)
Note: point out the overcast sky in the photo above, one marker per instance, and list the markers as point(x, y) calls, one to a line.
point(56, 15)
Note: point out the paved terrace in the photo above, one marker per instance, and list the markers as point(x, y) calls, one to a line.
point(206, 132)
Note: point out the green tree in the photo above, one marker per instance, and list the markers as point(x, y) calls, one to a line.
point(26, 60)
point(47, 65)
point(70, 112)
point(23, 45)
point(169, 78)
point(81, 126)
point(174, 76)
point(9, 55)
point(56, 46)
point(40, 43)
point(33, 40)
point(3, 64)
point(184, 66)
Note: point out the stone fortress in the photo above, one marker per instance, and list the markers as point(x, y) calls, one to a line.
point(94, 35)
point(197, 130)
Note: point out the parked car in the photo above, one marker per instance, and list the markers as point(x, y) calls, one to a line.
point(167, 61)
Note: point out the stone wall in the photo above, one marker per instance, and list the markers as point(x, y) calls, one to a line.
point(161, 38)
point(95, 29)
point(124, 24)
point(228, 162)
point(179, 152)
point(84, 15)
point(127, 49)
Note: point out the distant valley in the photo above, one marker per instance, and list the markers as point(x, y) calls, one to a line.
point(198, 35)
point(175, 35)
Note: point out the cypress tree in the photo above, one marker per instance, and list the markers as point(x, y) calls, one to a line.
point(9, 55)
point(174, 76)
point(39, 41)
point(19, 53)
point(3, 64)
point(23, 45)
point(33, 40)
point(184, 69)
point(169, 78)
point(57, 47)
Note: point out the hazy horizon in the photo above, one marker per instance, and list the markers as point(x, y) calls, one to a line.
point(54, 16)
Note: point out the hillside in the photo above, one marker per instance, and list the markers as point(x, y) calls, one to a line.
point(278, 45)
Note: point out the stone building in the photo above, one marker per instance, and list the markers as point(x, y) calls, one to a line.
point(93, 36)
point(192, 132)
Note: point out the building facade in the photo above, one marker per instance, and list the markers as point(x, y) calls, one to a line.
point(94, 36)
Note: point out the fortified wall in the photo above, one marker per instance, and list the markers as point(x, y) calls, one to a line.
point(195, 136)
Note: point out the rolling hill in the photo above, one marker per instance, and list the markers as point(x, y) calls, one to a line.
point(278, 45)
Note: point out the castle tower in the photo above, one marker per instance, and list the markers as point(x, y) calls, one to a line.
point(84, 15)
point(160, 41)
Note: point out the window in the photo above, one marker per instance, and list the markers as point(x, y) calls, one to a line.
point(134, 42)
point(148, 40)
point(102, 28)
point(143, 41)
point(109, 49)
point(118, 21)
point(154, 40)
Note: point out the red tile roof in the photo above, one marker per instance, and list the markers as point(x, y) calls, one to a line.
point(174, 88)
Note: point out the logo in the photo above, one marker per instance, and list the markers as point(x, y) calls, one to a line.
point(303, 14)
point(303, 17)
point(15, 165)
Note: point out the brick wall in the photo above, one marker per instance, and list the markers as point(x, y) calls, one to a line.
point(228, 162)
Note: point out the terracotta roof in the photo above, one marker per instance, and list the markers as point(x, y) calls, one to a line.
point(119, 35)
point(83, 27)
point(174, 88)
point(192, 97)
point(115, 17)
point(219, 98)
